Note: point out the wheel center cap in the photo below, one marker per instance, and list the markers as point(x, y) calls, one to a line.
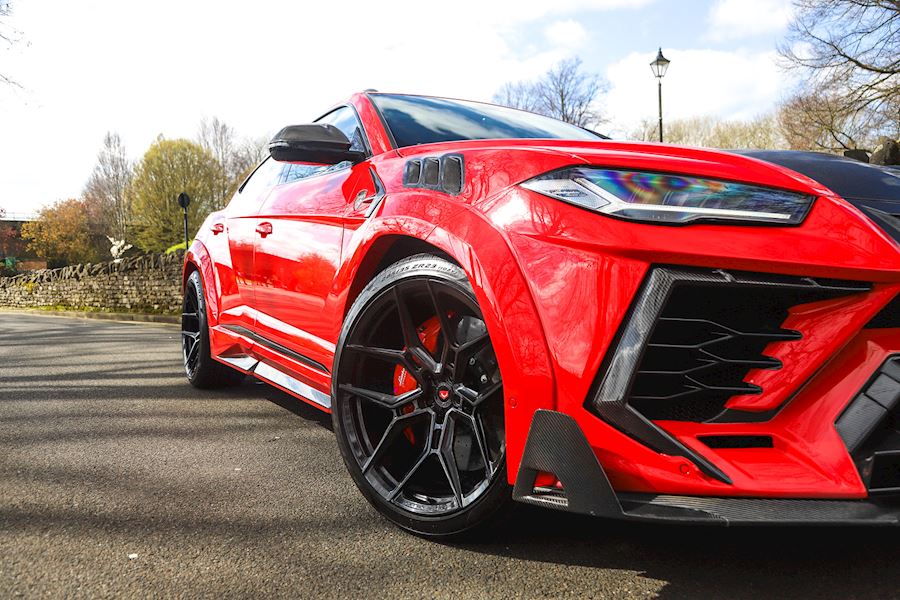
point(444, 396)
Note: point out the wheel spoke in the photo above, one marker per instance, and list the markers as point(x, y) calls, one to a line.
point(426, 452)
point(382, 399)
point(442, 315)
point(390, 434)
point(424, 357)
point(476, 398)
point(389, 355)
point(481, 442)
point(189, 358)
point(411, 336)
point(448, 458)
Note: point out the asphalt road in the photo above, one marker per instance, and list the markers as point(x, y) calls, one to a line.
point(117, 479)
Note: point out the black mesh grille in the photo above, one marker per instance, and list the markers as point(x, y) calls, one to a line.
point(737, 441)
point(431, 171)
point(889, 316)
point(413, 172)
point(707, 339)
point(452, 174)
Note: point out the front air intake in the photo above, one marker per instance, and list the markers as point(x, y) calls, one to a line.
point(688, 344)
point(705, 342)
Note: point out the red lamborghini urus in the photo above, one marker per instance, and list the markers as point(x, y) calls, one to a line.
point(498, 306)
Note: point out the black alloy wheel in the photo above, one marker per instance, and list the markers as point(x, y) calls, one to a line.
point(419, 400)
point(201, 370)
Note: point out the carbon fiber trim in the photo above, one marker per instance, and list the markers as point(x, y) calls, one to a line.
point(751, 511)
point(273, 375)
point(271, 345)
point(875, 401)
point(445, 173)
point(870, 429)
point(557, 445)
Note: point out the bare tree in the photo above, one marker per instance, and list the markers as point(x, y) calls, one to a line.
point(519, 94)
point(821, 120)
point(8, 36)
point(711, 132)
point(106, 190)
point(564, 92)
point(849, 51)
point(218, 138)
point(234, 157)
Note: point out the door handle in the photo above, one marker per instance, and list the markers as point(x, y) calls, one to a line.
point(362, 198)
point(264, 229)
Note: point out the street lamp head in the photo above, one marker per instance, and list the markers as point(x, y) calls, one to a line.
point(660, 65)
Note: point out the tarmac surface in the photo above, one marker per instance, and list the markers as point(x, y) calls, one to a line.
point(119, 480)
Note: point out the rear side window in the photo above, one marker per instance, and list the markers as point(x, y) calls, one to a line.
point(295, 171)
point(344, 118)
point(252, 193)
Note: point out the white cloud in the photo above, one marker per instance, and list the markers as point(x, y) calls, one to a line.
point(568, 33)
point(147, 67)
point(732, 19)
point(731, 85)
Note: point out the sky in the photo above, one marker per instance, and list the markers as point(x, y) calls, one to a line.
point(148, 67)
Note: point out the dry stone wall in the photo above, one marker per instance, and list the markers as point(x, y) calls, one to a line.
point(150, 283)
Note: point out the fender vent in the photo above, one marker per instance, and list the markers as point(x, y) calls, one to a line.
point(444, 174)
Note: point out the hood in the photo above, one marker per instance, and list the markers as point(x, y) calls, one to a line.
point(873, 189)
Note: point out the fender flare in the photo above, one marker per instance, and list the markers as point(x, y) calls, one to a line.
point(197, 258)
point(510, 313)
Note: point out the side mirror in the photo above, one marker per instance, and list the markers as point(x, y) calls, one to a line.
point(316, 143)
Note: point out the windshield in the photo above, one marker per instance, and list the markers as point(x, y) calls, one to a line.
point(421, 120)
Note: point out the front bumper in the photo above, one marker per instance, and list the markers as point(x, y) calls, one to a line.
point(724, 379)
point(556, 445)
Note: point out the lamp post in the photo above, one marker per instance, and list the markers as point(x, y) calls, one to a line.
point(184, 201)
point(659, 67)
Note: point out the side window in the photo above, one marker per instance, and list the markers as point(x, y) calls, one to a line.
point(248, 197)
point(345, 119)
point(295, 171)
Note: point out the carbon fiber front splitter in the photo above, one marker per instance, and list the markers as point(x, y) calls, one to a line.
point(557, 445)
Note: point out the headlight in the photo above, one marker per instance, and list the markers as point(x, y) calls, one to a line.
point(675, 199)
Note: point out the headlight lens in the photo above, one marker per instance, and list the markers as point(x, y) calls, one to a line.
point(673, 199)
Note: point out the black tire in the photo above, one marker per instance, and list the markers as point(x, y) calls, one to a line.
point(452, 417)
point(201, 370)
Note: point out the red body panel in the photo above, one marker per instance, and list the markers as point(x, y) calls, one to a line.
point(555, 283)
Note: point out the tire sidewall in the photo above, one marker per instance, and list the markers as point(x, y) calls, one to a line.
point(209, 373)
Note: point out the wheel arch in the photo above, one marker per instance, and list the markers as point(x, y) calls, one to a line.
point(197, 258)
point(502, 292)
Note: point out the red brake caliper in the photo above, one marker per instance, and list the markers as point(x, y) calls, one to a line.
point(429, 331)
